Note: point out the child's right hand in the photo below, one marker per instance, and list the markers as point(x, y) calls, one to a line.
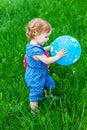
point(61, 53)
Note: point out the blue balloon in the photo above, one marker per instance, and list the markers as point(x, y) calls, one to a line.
point(71, 45)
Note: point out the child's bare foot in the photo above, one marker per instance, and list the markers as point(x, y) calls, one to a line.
point(51, 96)
point(48, 94)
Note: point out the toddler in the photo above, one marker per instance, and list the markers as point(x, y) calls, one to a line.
point(36, 75)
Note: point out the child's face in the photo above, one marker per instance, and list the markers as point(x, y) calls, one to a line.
point(43, 38)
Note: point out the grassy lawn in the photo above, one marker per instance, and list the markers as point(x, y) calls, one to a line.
point(67, 17)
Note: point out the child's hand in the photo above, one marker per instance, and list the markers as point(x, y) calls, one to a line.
point(61, 53)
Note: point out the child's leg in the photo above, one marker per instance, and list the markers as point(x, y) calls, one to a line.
point(45, 92)
point(33, 105)
point(50, 85)
point(48, 93)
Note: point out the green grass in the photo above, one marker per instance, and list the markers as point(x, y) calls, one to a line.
point(70, 111)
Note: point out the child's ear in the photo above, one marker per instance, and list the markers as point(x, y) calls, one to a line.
point(35, 33)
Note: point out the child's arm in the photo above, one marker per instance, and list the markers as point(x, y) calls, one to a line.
point(48, 60)
point(47, 48)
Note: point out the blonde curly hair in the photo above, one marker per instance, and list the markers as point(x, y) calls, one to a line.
point(36, 27)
